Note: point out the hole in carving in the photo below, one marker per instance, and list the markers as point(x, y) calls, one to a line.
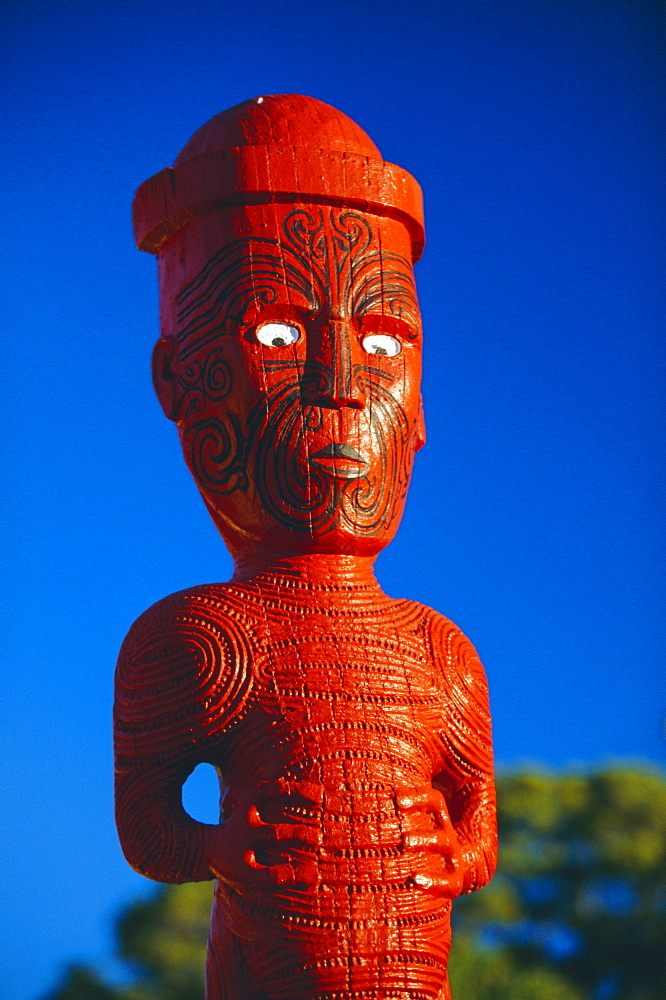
point(201, 794)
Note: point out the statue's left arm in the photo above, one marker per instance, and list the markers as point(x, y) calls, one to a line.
point(454, 816)
point(466, 779)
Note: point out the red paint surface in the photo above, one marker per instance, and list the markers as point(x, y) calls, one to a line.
point(351, 731)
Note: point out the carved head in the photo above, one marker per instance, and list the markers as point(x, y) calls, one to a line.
point(291, 349)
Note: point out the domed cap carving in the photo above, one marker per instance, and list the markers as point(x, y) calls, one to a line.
point(284, 120)
point(281, 148)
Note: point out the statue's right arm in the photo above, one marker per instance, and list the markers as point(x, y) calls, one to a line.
point(182, 677)
point(157, 836)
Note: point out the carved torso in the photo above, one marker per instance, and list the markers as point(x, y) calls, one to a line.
point(316, 707)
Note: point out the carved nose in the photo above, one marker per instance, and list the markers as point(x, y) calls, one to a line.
point(336, 385)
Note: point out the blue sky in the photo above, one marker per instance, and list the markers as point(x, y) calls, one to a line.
point(536, 131)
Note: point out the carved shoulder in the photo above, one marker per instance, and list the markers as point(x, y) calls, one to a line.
point(183, 676)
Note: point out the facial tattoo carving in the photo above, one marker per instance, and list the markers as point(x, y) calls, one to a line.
point(292, 368)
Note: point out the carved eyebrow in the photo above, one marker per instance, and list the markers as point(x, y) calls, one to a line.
point(390, 284)
point(339, 269)
point(241, 273)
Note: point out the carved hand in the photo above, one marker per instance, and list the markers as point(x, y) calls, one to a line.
point(418, 808)
point(247, 848)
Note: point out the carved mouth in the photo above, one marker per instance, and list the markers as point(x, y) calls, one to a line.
point(340, 460)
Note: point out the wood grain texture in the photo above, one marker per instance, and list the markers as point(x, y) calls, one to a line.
point(350, 731)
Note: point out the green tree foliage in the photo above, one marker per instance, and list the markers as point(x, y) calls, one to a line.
point(163, 940)
point(581, 886)
point(577, 910)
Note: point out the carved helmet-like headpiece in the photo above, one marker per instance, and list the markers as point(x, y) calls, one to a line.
point(285, 149)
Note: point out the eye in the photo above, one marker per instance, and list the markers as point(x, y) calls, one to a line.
point(381, 343)
point(277, 334)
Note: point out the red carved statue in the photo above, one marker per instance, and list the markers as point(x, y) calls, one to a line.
point(350, 731)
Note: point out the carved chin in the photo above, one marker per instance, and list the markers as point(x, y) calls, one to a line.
point(313, 483)
point(312, 471)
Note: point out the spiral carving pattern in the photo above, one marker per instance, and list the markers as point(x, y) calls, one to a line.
point(217, 453)
point(306, 499)
point(178, 671)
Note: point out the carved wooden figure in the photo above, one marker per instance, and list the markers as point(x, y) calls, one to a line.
point(350, 731)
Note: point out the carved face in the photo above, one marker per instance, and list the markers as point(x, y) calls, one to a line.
point(292, 366)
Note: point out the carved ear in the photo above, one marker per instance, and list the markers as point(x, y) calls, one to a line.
point(420, 427)
point(164, 377)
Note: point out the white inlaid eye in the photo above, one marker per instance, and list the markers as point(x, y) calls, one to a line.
point(381, 343)
point(277, 334)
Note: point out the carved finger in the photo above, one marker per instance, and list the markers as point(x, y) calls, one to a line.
point(309, 835)
point(423, 798)
point(441, 841)
point(449, 886)
point(268, 834)
point(311, 792)
point(263, 874)
point(429, 882)
point(420, 841)
point(411, 799)
point(254, 819)
point(301, 873)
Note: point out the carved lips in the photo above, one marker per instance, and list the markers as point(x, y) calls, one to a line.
point(340, 461)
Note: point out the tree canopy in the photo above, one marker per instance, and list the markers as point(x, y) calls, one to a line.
point(577, 910)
